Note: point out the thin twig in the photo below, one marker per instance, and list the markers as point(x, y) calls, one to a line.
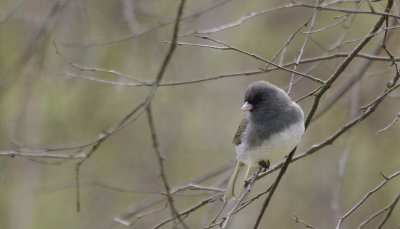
point(369, 193)
point(384, 14)
point(327, 85)
point(139, 216)
point(149, 29)
point(303, 46)
point(10, 12)
point(264, 60)
point(229, 75)
point(148, 203)
point(191, 209)
point(390, 124)
point(95, 69)
point(139, 109)
point(307, 225)
point(163, 174)
point(389, 210)
point(239, 201)
point(44, 154)
point(283, 48)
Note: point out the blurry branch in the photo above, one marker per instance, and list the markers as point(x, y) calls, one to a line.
point(139, 216)
point(5, 16)
point(390, 124)
point(289, 158)
point(314, 15)
point(306, 225)
point(129, 117)
point(342, 36)
point(140, 189)
point(389, 210)
point(216, 193)
point(344, 18)
point(282, 50)
point(322, 7)
point(392, 58)
point(43, 154)
point(234, 23)
point(148, 203)
point(213, 222)
point(264, 60)
point(372, 191)
point(244, 204)
point(163, 175)
point(40, 38)
point(327, 84)
point(95, 69)
point(201, 45)
point(191, 186)
point(225, 220)
point(369, 109)
point(221, 76)
point(328, 141)
point(359, 72)
point(347, 85)
point(294, 4)
point(346, 62)
point(151, 28)
point(186, 212)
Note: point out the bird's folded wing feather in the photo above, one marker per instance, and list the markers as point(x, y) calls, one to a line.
point(237, 139)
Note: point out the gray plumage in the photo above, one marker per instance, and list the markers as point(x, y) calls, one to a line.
point(272, 112)
point(274, 124)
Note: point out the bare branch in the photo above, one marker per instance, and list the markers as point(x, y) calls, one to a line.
point(314, 15)
point(389, 210)
point(306, 225)
point(7, 15)
point(390, 124)
point(94, 69)
point(322, 7)
point(372, 191)
point(43, 154)
point(265, 60)
point(226, 219)
point(163, 174)
point(138, 110)
point(221, 76)
point(151, 28)
point(326, 86)
point(191, 209)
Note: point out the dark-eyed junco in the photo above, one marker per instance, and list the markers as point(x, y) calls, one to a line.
point(272, 127)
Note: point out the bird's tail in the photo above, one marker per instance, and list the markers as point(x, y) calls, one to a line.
point(237, 181)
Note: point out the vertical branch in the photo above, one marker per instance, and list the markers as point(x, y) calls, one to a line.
point(174, 212)
point(290, 156)
point(324, 89)
point(139, 109)
point(302, 48)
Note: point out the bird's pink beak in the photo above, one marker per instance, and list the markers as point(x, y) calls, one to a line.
point(247, 106)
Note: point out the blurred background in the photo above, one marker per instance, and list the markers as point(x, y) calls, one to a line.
point(47, 102)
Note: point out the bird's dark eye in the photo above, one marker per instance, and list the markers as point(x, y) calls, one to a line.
point(258, 99)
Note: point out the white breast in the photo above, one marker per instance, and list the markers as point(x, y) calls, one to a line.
point(275, 148)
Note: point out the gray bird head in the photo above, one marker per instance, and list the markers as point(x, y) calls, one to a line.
point(263, 97)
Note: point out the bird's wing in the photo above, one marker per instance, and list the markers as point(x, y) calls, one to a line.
point(237, 139)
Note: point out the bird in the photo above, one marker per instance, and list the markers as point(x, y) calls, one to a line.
point(272, 126)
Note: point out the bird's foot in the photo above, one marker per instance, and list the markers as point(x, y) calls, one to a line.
point(264, 165)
